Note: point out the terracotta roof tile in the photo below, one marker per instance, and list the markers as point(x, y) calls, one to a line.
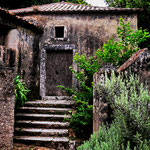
point(70, 7)
point(18, 20)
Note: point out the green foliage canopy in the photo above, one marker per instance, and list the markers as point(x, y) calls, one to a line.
point(143, 17)
point(145, 4)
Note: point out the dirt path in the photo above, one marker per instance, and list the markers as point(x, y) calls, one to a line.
point(28, 147)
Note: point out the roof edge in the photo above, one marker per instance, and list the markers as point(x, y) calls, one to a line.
point(20, 21)
point(36, 9)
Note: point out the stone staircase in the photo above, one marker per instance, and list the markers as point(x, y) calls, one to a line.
point(42, 122)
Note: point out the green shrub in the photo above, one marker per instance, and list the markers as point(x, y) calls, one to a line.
point(108, 138)
point(20, 92)
point(82, 118)
point(130, 128)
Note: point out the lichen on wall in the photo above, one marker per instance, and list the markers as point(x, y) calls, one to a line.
point(28, 60)
point(87, 31)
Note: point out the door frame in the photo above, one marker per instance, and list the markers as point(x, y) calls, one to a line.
point(49, 47)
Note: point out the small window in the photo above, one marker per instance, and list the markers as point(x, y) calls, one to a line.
point(59, 32)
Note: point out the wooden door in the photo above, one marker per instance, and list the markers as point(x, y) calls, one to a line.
point(58, 72)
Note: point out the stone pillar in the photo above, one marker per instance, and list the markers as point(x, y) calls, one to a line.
point(100, 107)
point(7, 101)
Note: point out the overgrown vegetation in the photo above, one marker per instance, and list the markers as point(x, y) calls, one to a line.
point(81, 120)
point(143, 17)
point(114, 52)
point(130, 128)
point(20, 92)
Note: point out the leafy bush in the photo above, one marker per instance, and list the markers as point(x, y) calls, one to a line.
point(108, 138)
point(130, 128)
point(111, 138)
point(117, 52)
point(20, 92)
point(114, 52)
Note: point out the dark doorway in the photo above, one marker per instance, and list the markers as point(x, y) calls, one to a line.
point(57, 71)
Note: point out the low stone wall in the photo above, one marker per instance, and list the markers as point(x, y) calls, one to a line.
point(100, 107)
point(7, 101)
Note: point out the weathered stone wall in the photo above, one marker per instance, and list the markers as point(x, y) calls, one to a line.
point(23, 38)
point(7, 101)
point(28, 60)
point(100, 107)
point(87, 32)
point(19, 54)
point(25, 45)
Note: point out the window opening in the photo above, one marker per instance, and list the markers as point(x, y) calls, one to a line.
point(59, 32)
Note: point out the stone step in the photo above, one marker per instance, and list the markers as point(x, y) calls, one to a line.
point(51, 142)
point(43, 110)
point(45, 122)
point(42, 117)
point(42, 124)
point(50, 103)
point(57, 98)
point(41, 132)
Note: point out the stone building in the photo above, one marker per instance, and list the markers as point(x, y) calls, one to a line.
point(69, 29)
point(39, 43)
